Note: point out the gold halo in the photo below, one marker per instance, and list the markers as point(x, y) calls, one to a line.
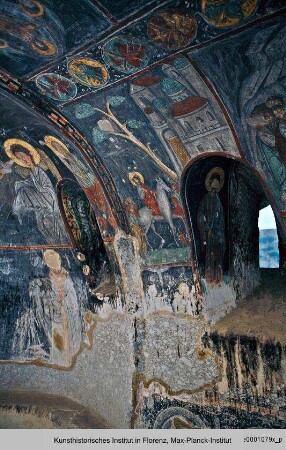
point(3, 43)
point(51, 48)
point(10, 142)
point(131, 176)
point(38, 13)
point(215, 171)
point(49, 143)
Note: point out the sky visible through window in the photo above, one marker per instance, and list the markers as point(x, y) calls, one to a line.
point(266, 219)
point(268, 239)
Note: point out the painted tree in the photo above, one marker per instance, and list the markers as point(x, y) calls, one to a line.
point(110, 125)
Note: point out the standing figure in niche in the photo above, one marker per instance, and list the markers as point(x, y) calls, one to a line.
point(211, 227)
point(35, 194)
point(56, 312)
point(269, 120)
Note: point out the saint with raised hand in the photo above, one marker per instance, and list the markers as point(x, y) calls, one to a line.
point(35, 193)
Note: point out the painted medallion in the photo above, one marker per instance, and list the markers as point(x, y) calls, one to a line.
point(227, 13)
point(126, 54)
point(172, 30)
point(56, 87)
point(88, 72)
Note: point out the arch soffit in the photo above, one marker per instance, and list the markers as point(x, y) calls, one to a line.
point(105, 187)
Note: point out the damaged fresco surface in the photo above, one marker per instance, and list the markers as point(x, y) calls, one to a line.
point(255, 97)
point(155, 124)
point(45, 307)
point(133, 166)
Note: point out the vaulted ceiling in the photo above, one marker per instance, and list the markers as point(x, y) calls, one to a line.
point(64, 59)
point(66, 49)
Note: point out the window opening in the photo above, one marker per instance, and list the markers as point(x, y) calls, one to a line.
point(268, 239)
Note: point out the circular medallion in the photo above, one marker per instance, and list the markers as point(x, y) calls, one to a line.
point(225, 13)
point(56, 87)
point(172, 30)
point(126, 54)
point(88, 72)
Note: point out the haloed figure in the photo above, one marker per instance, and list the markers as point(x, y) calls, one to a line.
point(35, 194)
point(211, 227)
point(56, 311)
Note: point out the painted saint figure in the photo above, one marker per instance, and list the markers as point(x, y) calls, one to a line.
point(160, 205)
point(86, 179)
point(35, 194)
point(51, 329)
point(145, 193)
point(269, 120)
point(134, 221)
point(211, 227)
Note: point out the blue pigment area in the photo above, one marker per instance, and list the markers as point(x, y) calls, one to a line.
point(268, 240)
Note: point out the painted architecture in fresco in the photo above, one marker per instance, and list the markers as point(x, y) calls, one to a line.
point(184, 120)
point(138, 145)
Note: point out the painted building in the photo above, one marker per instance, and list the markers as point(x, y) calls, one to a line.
point(133, 167)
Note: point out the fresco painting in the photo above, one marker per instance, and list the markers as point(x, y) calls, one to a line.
point(88, 72)
point(257, 97)
point(30, 37)
point(89, 182)
point(43, 308)
point(44, 314)
point(170, 289)
point(35, 33)
point(175, 103)
point(211, 224)
point(172, 30)
point(269, 121)
point(29, 200)
point(182, 111)
point(56, 87)
point(227, 14)
point(48, 226)
point(208, 203)
point(132, 177)
point(172, 26)
point(82, 223)
point(126, 54)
